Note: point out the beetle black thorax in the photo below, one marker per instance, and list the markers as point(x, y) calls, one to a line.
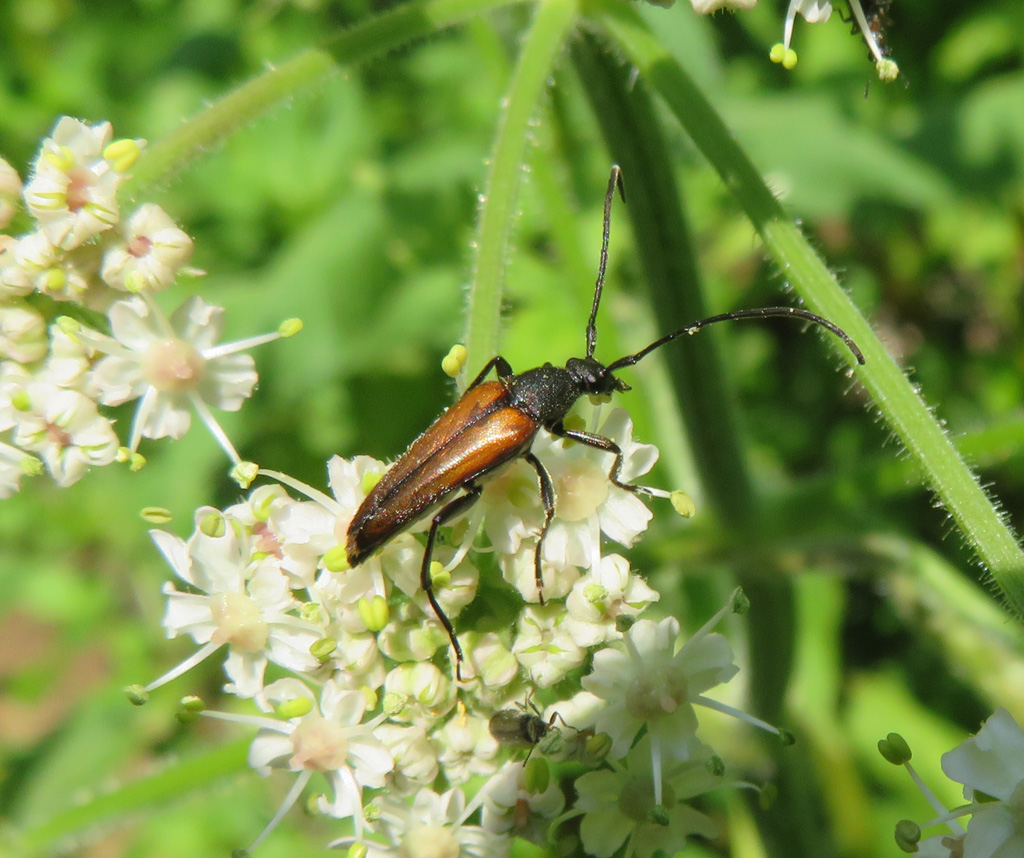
point(548, 392)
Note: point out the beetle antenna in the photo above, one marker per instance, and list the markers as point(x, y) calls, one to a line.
point(760, 313)
point(614, 181)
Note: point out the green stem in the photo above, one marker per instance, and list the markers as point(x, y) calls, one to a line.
point(540, 49)
point(274, 87)
point(154, 791)
point(891, 391)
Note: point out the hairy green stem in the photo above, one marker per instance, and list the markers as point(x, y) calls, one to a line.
point(498, 209)
point(279, 83)
point(892, 393)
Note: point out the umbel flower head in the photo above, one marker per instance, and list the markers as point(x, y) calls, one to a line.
point(59, 376)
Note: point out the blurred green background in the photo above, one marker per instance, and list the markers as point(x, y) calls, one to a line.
point(354, 207)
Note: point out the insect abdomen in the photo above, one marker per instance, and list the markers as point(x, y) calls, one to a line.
point(478, 434)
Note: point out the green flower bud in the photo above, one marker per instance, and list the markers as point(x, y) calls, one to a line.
point(137, 695)
point(290, 327)
point(212, 524)
point(323, 649)
point(894, 749)
point(374, 612)
point(336, 559)
point(294, 708)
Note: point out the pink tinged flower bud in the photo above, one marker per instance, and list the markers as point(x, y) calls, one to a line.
point(155, 249)
point(173, 366)
point(238, 622)
point(72, 191)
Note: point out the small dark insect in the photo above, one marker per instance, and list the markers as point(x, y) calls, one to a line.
point(876, 16)
point(521, 727)
point(495, 422)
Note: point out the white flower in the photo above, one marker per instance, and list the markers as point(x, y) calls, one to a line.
point(243, 603)
point(172, 365)
point(295, 533)
point(467, 747)
point(73, 188)
point(327, 736)
point(489, 661)
point(14, 464)
point(62, 426)
point(433, 826)
point(520, 571)
point(603, 595)
point(414, 753)
point(69, 361)
point(22, 333)
point(629, 803)
point(512, 504)
point(422, 690)
point(15, 280)
point(510, 807)
point(544, 645)
point(154, 250)
point(10, 190)
point(33, 262)
point(587, 503)
point(331, 738)
point(991, 765)
point(653, 684)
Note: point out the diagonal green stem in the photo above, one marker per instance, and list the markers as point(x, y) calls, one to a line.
point(892, 393)
point(274, 87)
point(178, 780)
point(540, 49)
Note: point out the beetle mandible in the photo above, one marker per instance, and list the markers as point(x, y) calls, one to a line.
point(494, 422)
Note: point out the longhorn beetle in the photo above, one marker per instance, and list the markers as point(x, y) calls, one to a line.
point(495, 422)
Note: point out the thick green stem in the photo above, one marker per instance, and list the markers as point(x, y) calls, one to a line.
point(279, 83)
point(540, 49)
point(664, 247)
point(893, 394)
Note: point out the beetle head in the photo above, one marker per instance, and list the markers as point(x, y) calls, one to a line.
point(593, 377)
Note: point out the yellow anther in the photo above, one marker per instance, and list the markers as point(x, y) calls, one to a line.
point(289, 327)
point(683, 504)
point(122, 154)
point(155, 515)
point(454, 361)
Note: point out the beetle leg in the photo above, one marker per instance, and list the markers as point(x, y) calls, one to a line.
point(444, 515)
point(501, 366)
point(599, 442)
point(547, 496)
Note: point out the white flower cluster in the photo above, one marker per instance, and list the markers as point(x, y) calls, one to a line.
point(990, 766)
point(59, 375)
point(370, 702)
